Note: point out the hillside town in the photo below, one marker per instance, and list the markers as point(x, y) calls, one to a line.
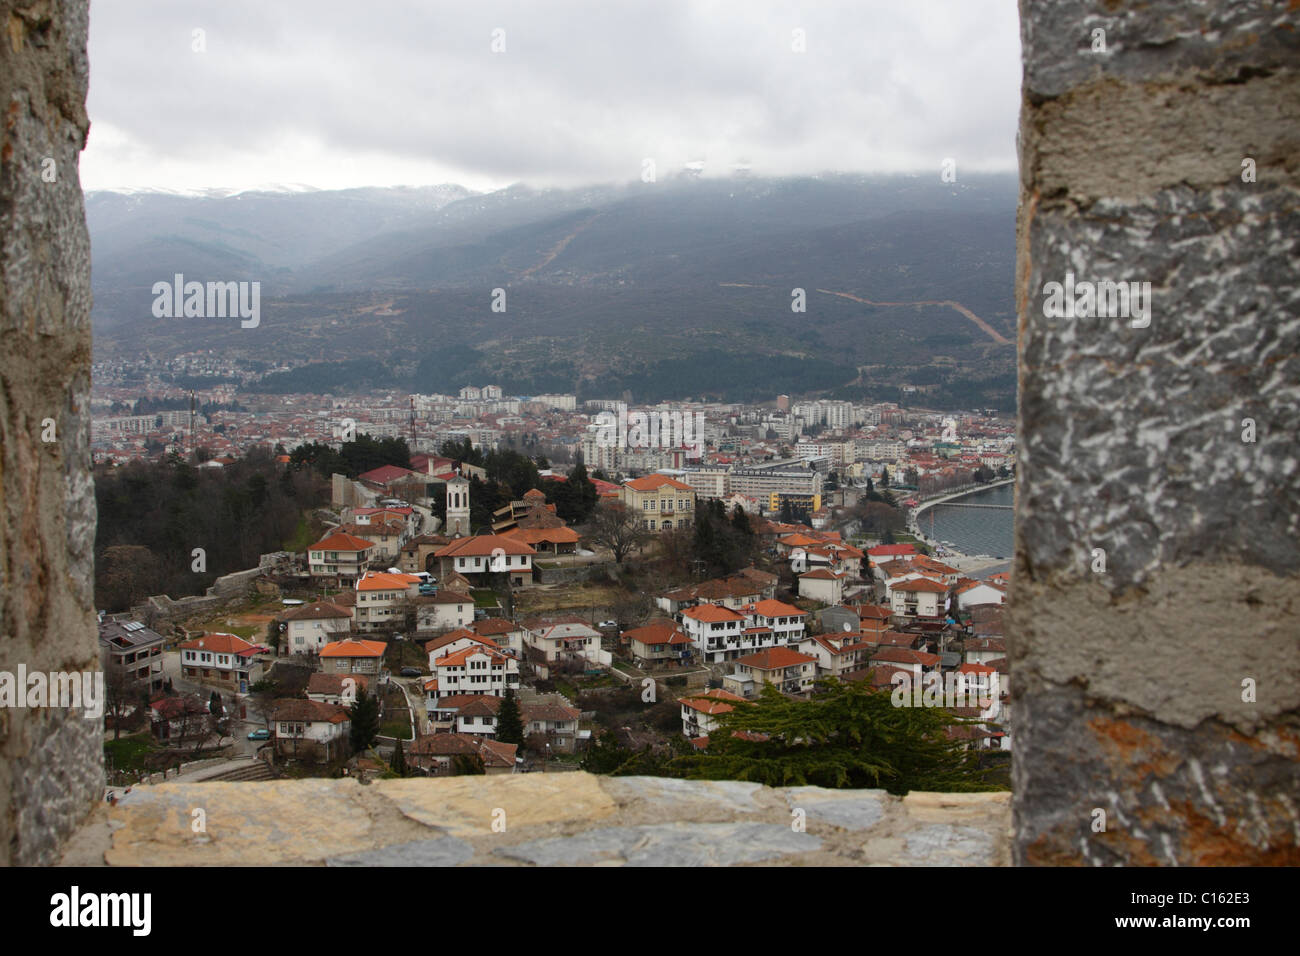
point(410, 637)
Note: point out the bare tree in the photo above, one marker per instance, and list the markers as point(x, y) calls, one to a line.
point(615, 526)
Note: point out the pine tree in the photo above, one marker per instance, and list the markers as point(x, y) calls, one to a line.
point(510, 725)
point(365, 721)
point(846, 735)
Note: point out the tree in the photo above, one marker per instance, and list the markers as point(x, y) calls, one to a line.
point(398, 763)
point(606, 755)
point(510, 723)
point(615, 527)
point(365, 721)
point(846, 735)
point(471, 764)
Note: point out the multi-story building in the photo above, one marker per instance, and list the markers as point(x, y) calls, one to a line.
point(564, 641)
point(341, 557)
point(474, 670)
point(382, 600)
point(723, 634)
point(225, 660)
point(787, 475)
point(308, 628)
point(134, 652)
point(353, 656)
point(660, 503)
point(707, 482)
point(700, 713)
point(787, 670)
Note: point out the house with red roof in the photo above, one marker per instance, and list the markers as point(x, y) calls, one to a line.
point(298, 726)
point(659, 642)
point(478, 556)
point(700, 712)
point(444, 755)
point(382, 600)
point(339, 557)
point(353, 656)
point(225, 660)
point(822, 584)
point(921, 597)
point(785, 669)
point(477, 669)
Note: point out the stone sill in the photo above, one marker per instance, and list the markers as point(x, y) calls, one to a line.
point(546, 819)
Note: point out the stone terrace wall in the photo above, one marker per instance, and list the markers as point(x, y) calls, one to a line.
point(51, 763)
point(541, 819)
point(1132, 693)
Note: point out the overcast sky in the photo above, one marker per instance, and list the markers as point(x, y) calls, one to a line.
point(333, 94)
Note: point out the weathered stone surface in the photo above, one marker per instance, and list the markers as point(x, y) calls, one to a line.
point(669, 844)
point(438, 851)
point(465, 806)
point(846, 809)
point(944, 845)
point(51, 762)
point(1163, 692)
point(549, 819)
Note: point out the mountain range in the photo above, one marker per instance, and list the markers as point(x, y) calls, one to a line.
point(669, 290)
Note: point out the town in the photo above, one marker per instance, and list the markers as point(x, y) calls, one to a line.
point(513, 591)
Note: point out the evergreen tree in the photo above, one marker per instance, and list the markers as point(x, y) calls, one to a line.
point(510, 724)
point(365, 720)
point(398, 763)
point(846, 735)
point(471, 764)
point(214, 704)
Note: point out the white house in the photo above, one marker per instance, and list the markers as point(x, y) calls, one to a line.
point(723, 634)
point(443, 611)
point(339, 556)
point(700, 713)
point(309, 628)
point(473, 670)
point(823, 585)
point(566, 641)
point(295, 723)
point(557, 722)
point(788, 670)
point(979, 592)
point(336, 688)
point(466, 714)
point(382, 599)
point(222, 659)
point(484, 554)
point(919, 598)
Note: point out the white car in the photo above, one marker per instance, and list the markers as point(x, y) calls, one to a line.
point(608, 624)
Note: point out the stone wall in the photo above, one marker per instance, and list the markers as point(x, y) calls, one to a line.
point(548, 819)
point(51, 762)
point(1159, 697)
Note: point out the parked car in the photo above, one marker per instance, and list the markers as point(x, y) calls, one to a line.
point(608, 624)
point(260, 734)
point(410, 672)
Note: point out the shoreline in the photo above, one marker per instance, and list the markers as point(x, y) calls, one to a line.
point(959, 559)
